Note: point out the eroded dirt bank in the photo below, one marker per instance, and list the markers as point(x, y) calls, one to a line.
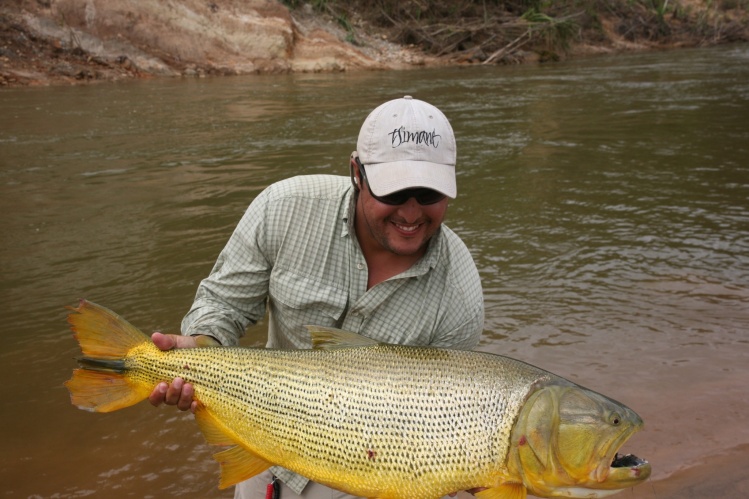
point(72, 41)
point(46, 42)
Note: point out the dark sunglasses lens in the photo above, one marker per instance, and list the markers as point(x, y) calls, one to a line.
point(394, 199)
point(422, 196)
point(428, 196)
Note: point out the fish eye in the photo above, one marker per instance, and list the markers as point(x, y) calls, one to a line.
point(615, 419)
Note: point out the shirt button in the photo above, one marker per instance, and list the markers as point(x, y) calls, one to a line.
point(360, 266)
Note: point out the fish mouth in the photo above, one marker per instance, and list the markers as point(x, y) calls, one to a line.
point(621, 471)
point(626, 461)
point(628, 469)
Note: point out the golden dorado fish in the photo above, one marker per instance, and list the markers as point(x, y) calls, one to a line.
point(371, 419)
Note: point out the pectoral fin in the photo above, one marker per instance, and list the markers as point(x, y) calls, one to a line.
point(504, 491)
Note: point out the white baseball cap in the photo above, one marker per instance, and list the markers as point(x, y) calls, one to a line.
point(407, 143)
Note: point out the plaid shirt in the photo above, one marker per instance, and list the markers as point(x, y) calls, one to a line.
point(295, 251)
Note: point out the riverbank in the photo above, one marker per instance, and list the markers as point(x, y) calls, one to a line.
point(717, 476)
point(47, 42)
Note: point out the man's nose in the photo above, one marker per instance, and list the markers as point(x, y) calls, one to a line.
point(411, 210)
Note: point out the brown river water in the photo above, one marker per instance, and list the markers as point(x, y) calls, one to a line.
point(606, 202)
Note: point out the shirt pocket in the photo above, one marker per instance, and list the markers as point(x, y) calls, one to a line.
point(297, 300)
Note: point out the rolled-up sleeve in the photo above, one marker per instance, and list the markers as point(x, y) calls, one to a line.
point(234, 295)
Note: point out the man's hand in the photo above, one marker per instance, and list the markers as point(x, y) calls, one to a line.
point(178, 392)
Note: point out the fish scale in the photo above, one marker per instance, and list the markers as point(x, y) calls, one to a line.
point(374, 420)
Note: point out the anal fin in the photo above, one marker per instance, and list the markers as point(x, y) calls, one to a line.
point(238, 464)
point(214, 431)
point(504, 491)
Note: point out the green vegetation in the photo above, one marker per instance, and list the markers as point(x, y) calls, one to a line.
point(494, 31)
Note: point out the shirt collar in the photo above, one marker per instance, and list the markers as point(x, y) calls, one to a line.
point(430, 258)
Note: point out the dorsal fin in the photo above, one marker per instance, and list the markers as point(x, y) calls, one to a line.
point(330, 338)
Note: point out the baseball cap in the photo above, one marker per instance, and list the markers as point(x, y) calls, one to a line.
point(407, 143)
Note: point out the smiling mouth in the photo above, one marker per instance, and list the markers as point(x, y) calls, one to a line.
point(407, 228)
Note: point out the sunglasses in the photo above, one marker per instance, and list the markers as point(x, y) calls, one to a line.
point(422, 195)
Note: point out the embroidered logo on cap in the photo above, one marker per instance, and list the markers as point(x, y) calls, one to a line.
point(402, 136)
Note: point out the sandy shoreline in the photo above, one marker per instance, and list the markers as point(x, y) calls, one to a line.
point(722, 475)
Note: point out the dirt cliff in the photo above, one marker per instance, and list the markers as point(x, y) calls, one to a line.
point(72, 41)
point(49, 41)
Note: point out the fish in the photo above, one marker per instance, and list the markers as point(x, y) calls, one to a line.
point(371, 419)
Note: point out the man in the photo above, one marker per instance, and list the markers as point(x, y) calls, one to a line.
point(367, 254)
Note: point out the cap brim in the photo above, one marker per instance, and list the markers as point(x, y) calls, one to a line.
point(386, 178)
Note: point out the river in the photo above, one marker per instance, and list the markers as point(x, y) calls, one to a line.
point(605, 201)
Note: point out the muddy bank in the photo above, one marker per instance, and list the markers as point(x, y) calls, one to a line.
point(717, 476)
point(74, 41)
point(721, 475)
point(46, 42)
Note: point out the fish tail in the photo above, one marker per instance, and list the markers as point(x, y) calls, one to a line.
point(103, 383)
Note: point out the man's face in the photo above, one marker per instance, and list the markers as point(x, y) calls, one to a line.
point(403, 229)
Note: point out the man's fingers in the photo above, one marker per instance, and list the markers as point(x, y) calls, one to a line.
point(157, 395)
point(174, 392)
point(185, 400)
point(169, 341)
point(163, 341)
point(178, 392)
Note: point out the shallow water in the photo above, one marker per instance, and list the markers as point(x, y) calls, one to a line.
point(606, 202)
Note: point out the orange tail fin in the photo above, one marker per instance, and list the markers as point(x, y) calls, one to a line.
point(105, 338)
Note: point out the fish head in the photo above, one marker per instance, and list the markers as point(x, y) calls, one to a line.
point(566, 442)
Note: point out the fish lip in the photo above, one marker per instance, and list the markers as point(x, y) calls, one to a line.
point(608, 471)
point(639, 469)
point(628, 469)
